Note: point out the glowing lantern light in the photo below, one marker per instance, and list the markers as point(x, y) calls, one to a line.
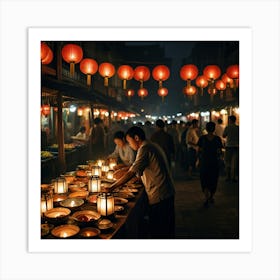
point(162, 92)
point(189, 91)
point(212, 73)
point(80, 111)
point(46, 54)
point(45, 109)
point(202, 83)
point(188, 73)
point(142, 74)
point(142, 92)
point(220, 85)
point(125, 72)
point(233, 73)
point(212, 92)
point(129, 93)
point(72, 54)
point(161, 73)
point(227, 80)
point(89, 67)
point(106, 70)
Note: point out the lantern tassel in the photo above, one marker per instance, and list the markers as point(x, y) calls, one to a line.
point(106, 81)
point(201, 91)
point(160, 84)
point(141, 83)
point(88, 80)
point(124, 84)
point(72, 69)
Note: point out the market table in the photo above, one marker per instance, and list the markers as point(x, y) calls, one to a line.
point(127, 224)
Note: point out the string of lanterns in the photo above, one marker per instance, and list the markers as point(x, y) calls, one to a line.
point(211, 75)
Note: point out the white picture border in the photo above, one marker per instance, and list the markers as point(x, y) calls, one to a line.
point(243, 35)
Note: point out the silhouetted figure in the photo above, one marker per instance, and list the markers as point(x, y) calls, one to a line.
point(210, 146)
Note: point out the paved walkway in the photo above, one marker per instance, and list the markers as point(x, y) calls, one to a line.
point(194, 221)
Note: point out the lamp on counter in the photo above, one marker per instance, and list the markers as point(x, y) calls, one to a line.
point(94, 184)
point(96, 171)
point(112, 163)
point(60, 185)
point(105, 204)
point(105, 168)
point(110, 174)
point(46, 200)
point(100, 162)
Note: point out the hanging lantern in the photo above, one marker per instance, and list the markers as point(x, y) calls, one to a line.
point(105, 204)
point(125, 72)
point(212, 72)
point(161, 73)
point(221, 86)
point(46, 109)
point(212, 92)
point(80, 111)
point(89, 67)
point(129, 93)
point(96, 171)
point(227, 80)
point(233, 73)
point(46, 200)
point(201, 82)
point(72, 54)
point(162, 92)
point(46, 54)
point(142, 74)
point(106, 70)
point(142, 92)
point(189, 91)
point(60, 185)
point(188, 73)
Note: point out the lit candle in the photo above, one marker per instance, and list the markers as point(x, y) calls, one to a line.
point(105, 168)
point(100, 162)
point(96, 170)
point(110, 174)
point(94, 184)
point(46, 201)
point(112, 165)
point(105, 204)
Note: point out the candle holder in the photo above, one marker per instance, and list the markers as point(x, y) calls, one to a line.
point(46, 199)
point(100, 162)
point(94, 184)
point(96, 170)
point(106, 204)
point(110, 175)
point(60, 185)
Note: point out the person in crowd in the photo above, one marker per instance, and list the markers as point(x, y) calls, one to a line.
point(172, 130)
point(219, 130)
point(81, 137)
point(152, 166)
point(210, 147)
point(231, 133)
point(164, 140)
point(123, 152)
point(98, 139)
point(184, 146)
point(192, 139)
point(149, 130)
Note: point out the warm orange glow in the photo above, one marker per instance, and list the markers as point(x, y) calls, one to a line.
point(162, 92)
point(141, 74)
point(48, 59)
point(44, 50)
point(233, 71)
point(189, 90)
point(142, 92)
point(89, 67)
point(212, 72)
point(125, 72)
point(129, 92)
point(220, 85)
point(201, 81)
point(188, 72)
point(227, 80)
point(45, 109)
point(161, 73)
point(106, 70)
point(72, 53)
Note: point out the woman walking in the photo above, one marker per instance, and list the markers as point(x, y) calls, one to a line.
point(210, 147)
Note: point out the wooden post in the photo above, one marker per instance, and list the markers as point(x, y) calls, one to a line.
point(60, 135)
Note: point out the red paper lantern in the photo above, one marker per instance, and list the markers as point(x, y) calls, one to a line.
point(142, 92)
point(188, 73)
point(212, 72)
point(106, 70)
point(125, 72)
point(44, 50)
point(202, 83)
point(189, 91)
point(220, 85)
point(45, 109)
point(89, 67)
point(129, 93)
point(227, 80)
point(161, 73)
point(141, 74)
point(72, 54)
point(233, 71)
point(46, 54)
point(162, 92)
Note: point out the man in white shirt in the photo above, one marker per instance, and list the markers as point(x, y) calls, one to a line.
point(151, 164)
